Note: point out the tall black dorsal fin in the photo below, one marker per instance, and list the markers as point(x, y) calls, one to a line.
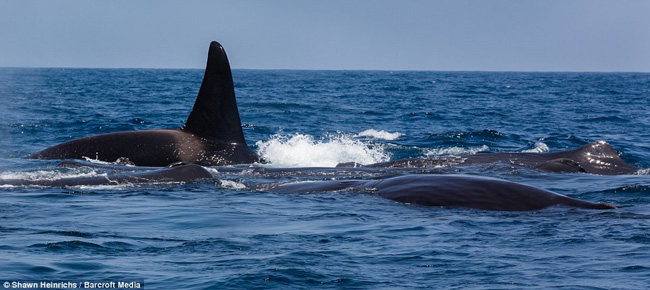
point(215, 115)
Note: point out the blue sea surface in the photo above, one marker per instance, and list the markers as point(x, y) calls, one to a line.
point(232, 234)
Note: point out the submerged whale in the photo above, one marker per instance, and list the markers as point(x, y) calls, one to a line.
point(212, 134)
point(596, 157)
point(179, 173)
point(449, 191)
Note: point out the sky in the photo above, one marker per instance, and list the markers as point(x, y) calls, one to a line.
point(450, 35)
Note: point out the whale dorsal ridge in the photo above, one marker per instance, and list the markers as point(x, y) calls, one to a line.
point(215, 115)
point(600, 158)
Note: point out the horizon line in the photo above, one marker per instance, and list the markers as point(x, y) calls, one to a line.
point(347, 69)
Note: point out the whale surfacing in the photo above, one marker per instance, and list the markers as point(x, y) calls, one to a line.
point(211, 136)
point(597, 158)
point(449, 190)
point(182, 173)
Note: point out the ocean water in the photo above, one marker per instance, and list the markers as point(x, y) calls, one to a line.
point(232, 234)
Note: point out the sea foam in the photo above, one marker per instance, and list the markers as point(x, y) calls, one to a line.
point(455, 151)
point(47, 175)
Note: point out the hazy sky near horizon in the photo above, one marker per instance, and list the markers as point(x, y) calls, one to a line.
point(492, 35)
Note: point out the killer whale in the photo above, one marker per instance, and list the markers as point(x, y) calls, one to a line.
point(212, 134)
point(597, 158)
point(449, 190)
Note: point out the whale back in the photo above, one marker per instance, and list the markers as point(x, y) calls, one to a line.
point(448, 190)
point(473, 192)
point(215, 115)
point(178, 174)
point(598, 158)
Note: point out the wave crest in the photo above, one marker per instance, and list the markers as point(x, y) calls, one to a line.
point(383, 135)
point(540, 147)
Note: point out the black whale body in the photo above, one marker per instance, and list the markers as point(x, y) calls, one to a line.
point(449, 191)
point(212, 134)
point(182, 173)
point(597, 157)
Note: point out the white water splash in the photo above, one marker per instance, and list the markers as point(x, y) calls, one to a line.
point(301, 150)
point(231, 184)
point(540, 147)
point(121, 161)
point(643, 171)
point(45, 175)
point(383, 135)
point(455, 151)
point(103, 186)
